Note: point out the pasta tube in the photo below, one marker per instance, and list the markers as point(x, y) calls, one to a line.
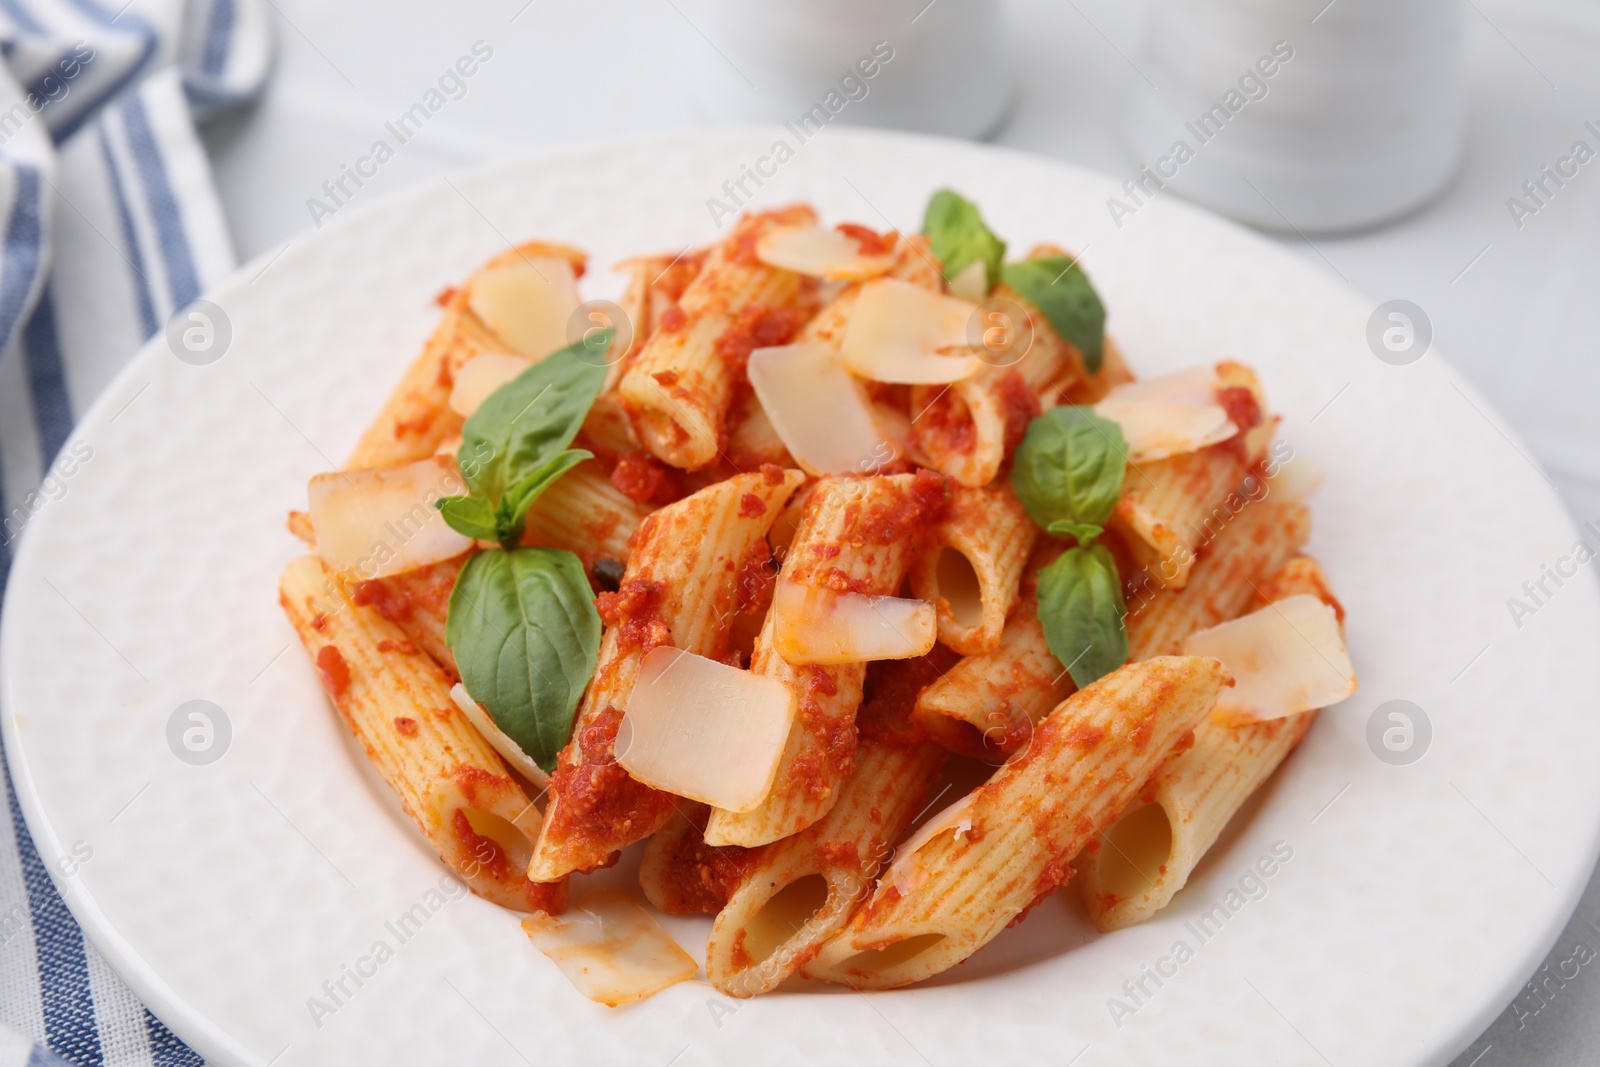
point(1260, 540)
point(1147, 856)
point(677, 390)
point(1171, 508)
point(396, 701)
point(417, 416)
point(586, 515)
point(987, 704)
point(972, 564)
point(793, 894)
point(955, 890)
point(682, 587)
point(856, 535)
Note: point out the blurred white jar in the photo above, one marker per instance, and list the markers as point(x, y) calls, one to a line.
point(1302, 114)
point(934, 68)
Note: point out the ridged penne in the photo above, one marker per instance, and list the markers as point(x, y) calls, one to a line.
point(1170, 508)
point(586, 515)
point(418, 602)
point(971, 565)
point(942, 902)
point(856, 535)
point(794, 894)
point(417, 415)
point(1148, 855)
point(681, 588)
point(968, 429)
point(396, 701)
point(987, 704)
point(678, 388)
point(1255, 543)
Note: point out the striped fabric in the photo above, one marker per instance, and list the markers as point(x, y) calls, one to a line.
point(109, 223)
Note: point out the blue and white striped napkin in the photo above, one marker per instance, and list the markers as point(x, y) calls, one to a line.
point(109, 222)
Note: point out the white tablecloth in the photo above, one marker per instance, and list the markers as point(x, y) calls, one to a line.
point(1513, 307)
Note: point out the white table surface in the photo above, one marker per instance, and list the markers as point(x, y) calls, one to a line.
point(1508, 305)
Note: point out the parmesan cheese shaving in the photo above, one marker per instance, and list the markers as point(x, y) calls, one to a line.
point(971, 282)
point(527, 303)
point(1170, 415)
point(822, 252)
point(610, 948)
point(380, 522)
point(898, 333)
point(1286, 658)
point(704, 730)
point(821, 626)
point(906, 873)
point(818, 410)
point(479, 377)
point(496, 737)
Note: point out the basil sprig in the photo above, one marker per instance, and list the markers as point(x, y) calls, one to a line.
point(1068, 474)
point(957, 236)
point(514, 446)
point(526, 636)
point(522, 623)
point(1059, 288)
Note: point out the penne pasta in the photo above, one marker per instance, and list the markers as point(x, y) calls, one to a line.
point(971, 566)
point(792, 895)
point(987, 704)
point(857, 535)
point(968, 429)
point(1257, 543)
point(586, 515)
point(396, 701)
point(417, 415)
point(1171, 508)
point(957, 888)
point(678, 389)
point(1148, 854)
point(681, 587)
point(418, 602)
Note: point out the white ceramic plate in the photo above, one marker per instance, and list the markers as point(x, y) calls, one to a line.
point(1417, 897)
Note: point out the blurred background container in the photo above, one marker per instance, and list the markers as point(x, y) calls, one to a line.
point(947, 69)
point(1360, 120)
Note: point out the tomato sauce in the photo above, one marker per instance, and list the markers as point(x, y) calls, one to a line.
point(891, 690)
point(698, 879)
point(334, 670)
point(644, 479)
point(600, 802)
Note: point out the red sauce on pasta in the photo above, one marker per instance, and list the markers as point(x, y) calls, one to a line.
point(756, 327)
point(643, 478)
point(698, 879)
point(334, 670)
point(599, 801)
point(870, 241)
point(1020, 406)
point(634, 610)
point(890, 691)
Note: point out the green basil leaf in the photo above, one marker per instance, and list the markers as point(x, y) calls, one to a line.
point(514, 505)
point(1069, 468)
point(1081, 609)
point(526, 635)
point(528, 421)
point(472, 516)
point(957, 235)
point(1057, 286)
point(1083, 532)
